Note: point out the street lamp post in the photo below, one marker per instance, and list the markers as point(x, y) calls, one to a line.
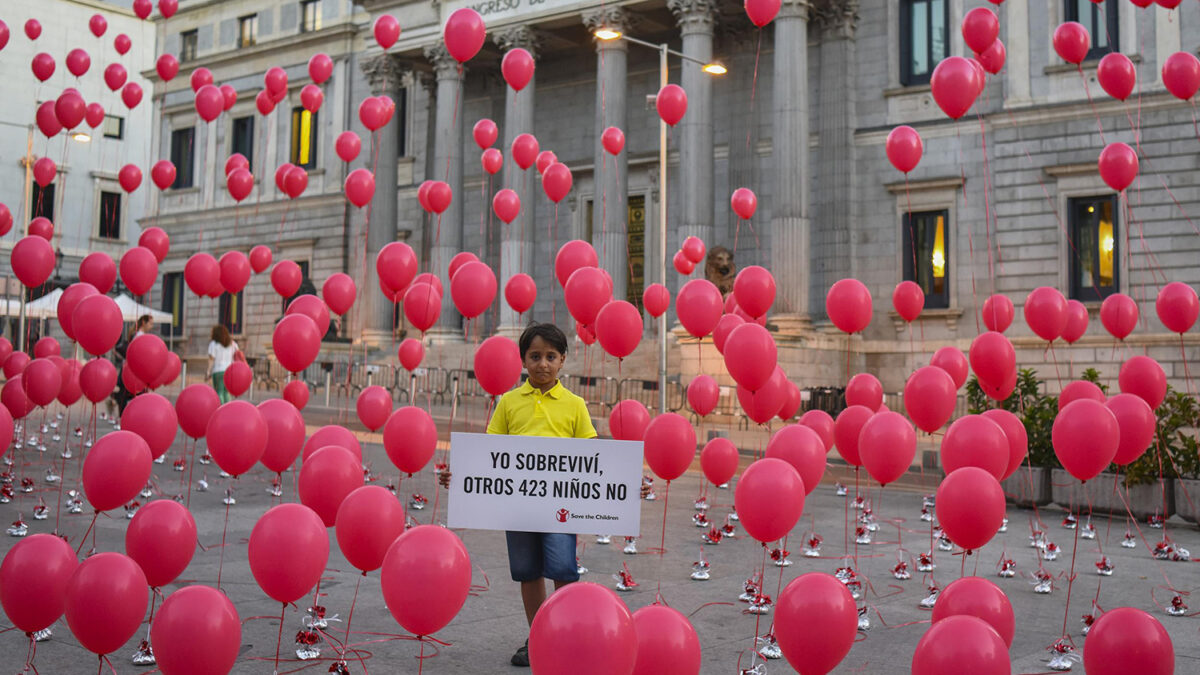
point(712, 68)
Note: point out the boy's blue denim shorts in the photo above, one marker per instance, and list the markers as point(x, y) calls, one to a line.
point(537, 555)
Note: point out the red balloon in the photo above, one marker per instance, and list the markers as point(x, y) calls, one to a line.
point(485, 133)
point(583, 629)
point(97, 379)
point(473, 288)
point(373, 406)
point(1143, 377)
point(557, 181)
point(1137, 424)
point(791, 405)
point(848, 305)
point(719, 460)
point(115, 76)
point(1015, 435)
point(904, 148)
point(396, 265)
point(887, 445)
point(97, 324)
point(974, 440)
point(161, 539)
point(106, 601)
point(263, 102)
point(951, 360)
point(276, 81)
point(822, 423)
point(992, 357)
point(656, 299)
point(41, 380)
point(750, 355)
point(42, 227)
point(744, 203)
point(320, 67)
point(14, 398)
point(116, 469)
point(762, 12)
point(847, 429)
point(238, 161)
point(47, 119)
point(1046, 312)
point(524, 153)
point(286, 278)
point(47, 347)
point(1085, 436)
point(816, 623)
point(520, 292)
point(908, 300)
point(497, 364)
point(237, 378)
point(754, 289)
point(586, 293)
point(311, 97)
point(339, 292)
point(1000, 392)
point(411, 353)
point(240, 182)
point(802, 448)
point(671, 103)
point(143, 8)
point(1072, 42)
point(387, 31)
point(959, 644)
point(332, 434)
point(422, 305)
point(348, 145)
point(724, 328)
point(970, 506)
point(260, 258)
point(703, 394)
point(155, 240)
point(97, 24)
point(78, 62)
point(1128, 640)
point(628, 420)
point(682, 264)
point(1118, 165)
point(517, 68)
point(131, 95)
point(464, 34)
point(368, 521)
point(1177, 307)
point(285, 433)
point(194, 406)
point(67, 302)
point(1117, 75)
point(44, 171)
point(210, 102)
point(202, 274)
point(544, 159)
point(1119, 314)
point(425, 577)
point(410, 439)
point(15, 364)
point(613, 140)
point(189, 615)
point(439, 196)
point(667, 642)
point(167, 66)
point(163, 174)
point(1077, 321)
point(33, 29)
point(151, 417)
point(1181, 74)
point(312, 307)
point(619, 328)
point(93, 115)
point(769, 499)
point(168, 7)
point(42, 66)
point(296, 393)
point(236, 436)
point(955, 85)
point(229, 96)
point(764, 403)
point(992, 59)
point(699, 306)
point(492, 161)
point(670, 445)
point(295, 182)
point(235, 271)
point(139, 269)
point(288, 550)
point(296, 341)
point(33, 581)
point(68, 393)
point(360, 187)
point(980, 28)
point(327, 476)
point(865, 389)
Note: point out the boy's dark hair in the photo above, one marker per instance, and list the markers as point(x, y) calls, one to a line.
point(552, 334)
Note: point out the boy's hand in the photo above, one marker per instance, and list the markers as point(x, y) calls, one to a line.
point(444, 478)
point(645, 490)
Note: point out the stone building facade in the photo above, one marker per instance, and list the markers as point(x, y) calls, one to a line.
point(1003, 201)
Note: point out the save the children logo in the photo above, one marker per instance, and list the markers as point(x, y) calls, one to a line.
point(562, 515)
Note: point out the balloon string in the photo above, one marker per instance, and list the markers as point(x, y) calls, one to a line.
point(753, 97)
point(221, 559)
point(1071, 576)
point(350, 617)
point(762, 568)
point(62, 475)
point(987, 208)
point(191, 471)
point(279, 639)
point(662, 542)
point(421, 657)
point(31, 654)
point(83, 540)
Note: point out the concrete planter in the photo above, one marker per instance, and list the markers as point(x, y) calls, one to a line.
point(1144, 500)
point(1187, 511)
point(1028, 487)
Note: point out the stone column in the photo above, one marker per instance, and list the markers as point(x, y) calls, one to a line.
point(516, 241)
point(610, 215)
point(695, 19)
point(384, 75)
point(447, 166)
point(789, 240)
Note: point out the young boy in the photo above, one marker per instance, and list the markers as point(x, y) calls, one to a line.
point(541, 406)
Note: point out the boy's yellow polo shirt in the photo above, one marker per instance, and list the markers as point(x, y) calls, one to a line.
point(526, 411)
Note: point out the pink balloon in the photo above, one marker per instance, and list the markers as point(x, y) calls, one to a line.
point(520, 292)
point(613, 140)
point(951, 360)
point(960, 644)
point(348, 145)
point(360, 187)
point(464, 34)
point(724, 328)
point(33, 581)
point(116, 469)
point(396, 265)
point(670, 445)
point(285, 433)
point(288, 550)
point(1118, 165)
point(47, 120)
point(816, 622)
point(586, 293)
point(955, 85)
point(260, 258)
point(32, 260)
point(1015, 434)
point(1117, 75)
point(97, 323)
point(311, 97)
point(992, 59)
point(1128, 640)
point(764, 403)
point(908, 300)
point(373, 406)
point(619, 328)
point(161, 539)
point(1136, 422)
point(320, 67)
point(848, 305)
point(97, 379)
point(1077, 390)
point(1085, 436)
point(42, 66)
point(338, 292)
point(667, 642)
point(262, 101)
point(131, 95)
point(719, 460)
point(326, 478)
point(115, 76)
point(517, 68)
point(139, 270)
point(41, 380)
point(497, 364)
point(822, 423)
point(422, 305)
point(1072, 42)
point(524, 153)
point(194, 406)
point(693, 249)
point(387, 31)
point(411, 352)
point(699, 306)
point(368, 521)
point(332, 434)
point(1143, 377)
point(78, 62)
point(628, 420)
point(296, 393)
point(974, 440)
point(1181, 74)
point(210, 102)
point(557, 181)
point(473, 288)
point(754, 289)
point(174, 632)
point(750, 355)
point(769, 499)
point(904, 148)
point(586, 630)
point(992, 357)
point(762, 12)
point(1177, 307)
point(671, 103)
point(802, 448)
point(865, 389)
point(425, 577)
point(887, 445)
point(67, 302)
point(296, 341)
point(151, 417)
point(656, 299)
point(980, 28)
point(106, 601)
point(847, 429)
point(1046, 312)
point(237, 378)
point(970, 506)
point(980, 598)
point(702, 394)
point(235, 271)
point(410, 439)
point(236, 436)
point(1077, 321)
point(682, 264)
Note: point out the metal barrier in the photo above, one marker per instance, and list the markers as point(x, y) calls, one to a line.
point(429, 384)
point(646, 393)
point(600, 393)
point(464, 384)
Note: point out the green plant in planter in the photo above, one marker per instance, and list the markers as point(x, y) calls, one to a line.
point(1177, 416)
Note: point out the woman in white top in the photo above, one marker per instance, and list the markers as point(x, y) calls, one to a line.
point(221, 351)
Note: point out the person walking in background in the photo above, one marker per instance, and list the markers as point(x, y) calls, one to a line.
point(143, 325)
point(221, 352)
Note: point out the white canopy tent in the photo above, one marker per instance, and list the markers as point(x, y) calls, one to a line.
point(46, 307)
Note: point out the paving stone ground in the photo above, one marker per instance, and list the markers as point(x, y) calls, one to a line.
point(491, 624)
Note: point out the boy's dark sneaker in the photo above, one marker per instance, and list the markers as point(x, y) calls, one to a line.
point(521, 658)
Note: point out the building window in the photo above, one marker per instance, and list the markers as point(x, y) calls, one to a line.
point(927, 255)
point(304, 138)
point(310, 16)
point(42, 202)
point(1100, 20)
point(924, 38)
point(230, 312)
point(181, 156)
point(636, 232)
point(402, 123)
point(172, 303)
point(187, 45)
point(114, 127)
point(110, 215)
point(243, 138)
point(1093, 253)
point(248, 31)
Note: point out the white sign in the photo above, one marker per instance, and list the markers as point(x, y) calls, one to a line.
point(544, 484)
point(494, 11)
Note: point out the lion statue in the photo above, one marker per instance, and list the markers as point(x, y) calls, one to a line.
point(719, 269)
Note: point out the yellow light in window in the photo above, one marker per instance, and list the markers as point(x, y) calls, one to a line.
point(305, 137)
point(1106, 252)
point(938, 258)
point(1091, 209)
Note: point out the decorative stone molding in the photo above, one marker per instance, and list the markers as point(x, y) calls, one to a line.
point(522, 37)
point(837, 18)
point(608, 17)
point(694, 15)
point(444, 65)
point(384, 73)
point(797, 9)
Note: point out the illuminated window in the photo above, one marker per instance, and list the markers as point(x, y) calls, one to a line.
point(310, 16)
point(1093, 253)
point(924, 38)
point(927, 255)
point(1100, 22)
point(304, 138)
point(248, 31)
point(230, 312)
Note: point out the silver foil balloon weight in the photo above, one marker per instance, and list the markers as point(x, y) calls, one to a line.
point(768, 646)
point(630, 546)
point(1008, 569)
point(1177, 608)
point(779, 556)
point(1104, 566)
point(700, 568)
point(624, 579)
point(812, 546)
point(712, 537)
point(41, 512)
point(603, 539)
point(700, 519)
point(1129, 541)
point(1043, 582)
point(417, 502)
point(931, 596)
point(900, 571)
point(144, 656)
point(1062, 655)
point(308, 645)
